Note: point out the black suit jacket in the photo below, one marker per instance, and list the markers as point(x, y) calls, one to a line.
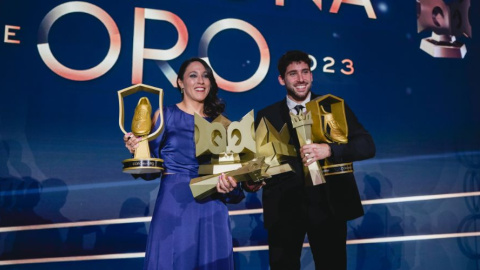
point(286, 196)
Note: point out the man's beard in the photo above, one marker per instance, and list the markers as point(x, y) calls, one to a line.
point(296, 96)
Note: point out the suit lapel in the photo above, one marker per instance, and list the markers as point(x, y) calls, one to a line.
point(285, 115)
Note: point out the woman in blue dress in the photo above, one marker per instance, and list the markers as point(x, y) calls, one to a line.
point(187, 234)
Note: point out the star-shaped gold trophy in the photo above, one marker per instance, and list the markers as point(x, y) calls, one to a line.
point(238, 151)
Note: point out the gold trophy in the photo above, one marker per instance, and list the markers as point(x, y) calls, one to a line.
point(233, 146)
point(142, 162)
point(205, 186)
point(330, 127)
point(273, 145)
point(302, 123)
point(447, 21)
point(229, 143)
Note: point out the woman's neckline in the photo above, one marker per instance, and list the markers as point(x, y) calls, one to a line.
point(178, 108)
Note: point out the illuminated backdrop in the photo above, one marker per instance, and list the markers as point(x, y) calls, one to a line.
point(62, 63)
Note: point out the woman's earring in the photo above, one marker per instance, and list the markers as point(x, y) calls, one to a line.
point(181, 90)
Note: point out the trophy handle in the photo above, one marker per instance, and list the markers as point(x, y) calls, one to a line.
point(132, 90)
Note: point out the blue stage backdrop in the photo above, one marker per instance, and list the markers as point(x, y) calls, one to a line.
point(63, 196)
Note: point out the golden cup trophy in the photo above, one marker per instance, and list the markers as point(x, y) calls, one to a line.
point(329, 126)
point(142, 162)
point(233, 147)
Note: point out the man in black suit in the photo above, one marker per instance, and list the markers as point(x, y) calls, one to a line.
point(293, 209)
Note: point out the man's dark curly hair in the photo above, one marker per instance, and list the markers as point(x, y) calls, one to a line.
point(290, 57)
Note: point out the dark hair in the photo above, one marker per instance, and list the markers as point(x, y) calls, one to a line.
point(213, 106)
point(290, 57)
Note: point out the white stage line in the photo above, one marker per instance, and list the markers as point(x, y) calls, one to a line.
point(412, 238)
point(232, 213)
point(246, 212)
point(242, 249)
point(421, 198)
point(76, 224)
point(378, 240)
point(76, 258)
point(383, 201)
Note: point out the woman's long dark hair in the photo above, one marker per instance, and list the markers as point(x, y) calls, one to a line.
point(213, 106)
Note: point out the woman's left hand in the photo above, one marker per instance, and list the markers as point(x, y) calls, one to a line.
point(226, 183)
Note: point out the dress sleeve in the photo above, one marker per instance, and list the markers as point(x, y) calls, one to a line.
point(156, 144)
point(233, 197)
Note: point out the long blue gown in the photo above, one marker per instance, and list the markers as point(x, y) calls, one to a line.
point(186, 234)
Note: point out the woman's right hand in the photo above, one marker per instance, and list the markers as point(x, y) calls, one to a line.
point(131, 142)
point(251, 186)
point(225, 183)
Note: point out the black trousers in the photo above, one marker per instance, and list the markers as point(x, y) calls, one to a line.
point(327, 242)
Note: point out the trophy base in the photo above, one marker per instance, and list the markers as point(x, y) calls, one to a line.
point(439, 49)
point(142, 166)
